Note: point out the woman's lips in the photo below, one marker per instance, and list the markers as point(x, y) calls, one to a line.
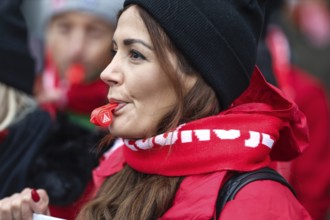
point(121, 104)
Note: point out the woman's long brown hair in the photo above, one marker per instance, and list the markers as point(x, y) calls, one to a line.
point(133, 195)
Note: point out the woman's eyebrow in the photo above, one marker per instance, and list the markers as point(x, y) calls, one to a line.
point(137, 41)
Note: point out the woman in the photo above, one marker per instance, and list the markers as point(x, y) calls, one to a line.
point(192, 108)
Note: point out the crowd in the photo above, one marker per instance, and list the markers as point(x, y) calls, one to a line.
point(202, 91)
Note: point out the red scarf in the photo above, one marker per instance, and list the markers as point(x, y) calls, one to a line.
point(260, 126)
point(78, 97)
point(84, 98)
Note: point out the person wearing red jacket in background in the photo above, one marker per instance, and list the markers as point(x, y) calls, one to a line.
point(306, 24)
point(309, 174)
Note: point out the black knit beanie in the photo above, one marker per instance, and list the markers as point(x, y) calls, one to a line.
point(218, 37)
point(16, 63)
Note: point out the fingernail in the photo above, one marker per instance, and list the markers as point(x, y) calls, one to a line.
point(35, 196)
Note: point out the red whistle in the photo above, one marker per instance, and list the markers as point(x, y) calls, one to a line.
point(102, 116)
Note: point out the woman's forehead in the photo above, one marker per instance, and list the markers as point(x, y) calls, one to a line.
point(131, 25)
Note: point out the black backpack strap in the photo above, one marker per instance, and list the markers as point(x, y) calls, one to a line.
point(239, 180)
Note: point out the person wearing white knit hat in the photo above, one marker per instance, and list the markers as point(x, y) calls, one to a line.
point(78, 35)
point(104, 8)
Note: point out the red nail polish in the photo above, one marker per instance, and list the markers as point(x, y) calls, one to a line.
point(35, 196)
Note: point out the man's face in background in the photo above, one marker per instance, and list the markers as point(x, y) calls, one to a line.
point(80, 38)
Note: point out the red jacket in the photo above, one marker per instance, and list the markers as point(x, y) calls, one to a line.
point(196, 196)
point(309, 174)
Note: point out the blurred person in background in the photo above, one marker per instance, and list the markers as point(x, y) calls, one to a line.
point(23, 124)
point(309, 174)
point(77, 35)
point(306, 24)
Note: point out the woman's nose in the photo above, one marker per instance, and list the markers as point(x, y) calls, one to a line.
point(113, 73)
point(76, 45)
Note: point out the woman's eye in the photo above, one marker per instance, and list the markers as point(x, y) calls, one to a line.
point(136, 55)
point(63, 28)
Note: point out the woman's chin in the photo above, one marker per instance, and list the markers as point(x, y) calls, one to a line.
point(120, 133)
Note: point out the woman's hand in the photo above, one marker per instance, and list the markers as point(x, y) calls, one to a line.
point(22, 205)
